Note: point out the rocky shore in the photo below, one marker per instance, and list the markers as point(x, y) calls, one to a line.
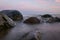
point(8, 19)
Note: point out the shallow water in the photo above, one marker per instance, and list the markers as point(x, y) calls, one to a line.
point(48, 31)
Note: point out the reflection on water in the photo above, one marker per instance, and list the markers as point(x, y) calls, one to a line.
point(48, 31)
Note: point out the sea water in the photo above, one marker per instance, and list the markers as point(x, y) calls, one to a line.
point(49, 31)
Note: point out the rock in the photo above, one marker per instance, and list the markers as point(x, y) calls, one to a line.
point(50, 20)
point(46, 16)
point(32, 20)
point(57, 19)
point(13, 14)
point(28, 36)
point(6, 24)
point(38, 35)
point(9, 20)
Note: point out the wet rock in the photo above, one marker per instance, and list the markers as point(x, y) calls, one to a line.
point(32, 36)
point(32, 20)
point(13, 14)
point(50, 20)
point(9, 20)
point(5, 25)
point(53, 20)
point(57, 19)
point(46, 16)
point(24, 37)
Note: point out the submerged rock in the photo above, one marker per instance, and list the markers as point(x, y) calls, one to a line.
point(32, 20)
point(13, 14)
point(28, 36)
point(38, 35)
point(50, 20)
point(32, 35)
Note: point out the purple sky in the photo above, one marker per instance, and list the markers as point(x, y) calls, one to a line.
point(52, 6)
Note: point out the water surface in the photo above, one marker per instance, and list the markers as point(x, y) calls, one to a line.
point(48, 31)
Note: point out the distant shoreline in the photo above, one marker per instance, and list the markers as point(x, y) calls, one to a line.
point(56, 15)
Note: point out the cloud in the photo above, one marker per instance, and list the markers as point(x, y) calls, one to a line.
point(22, 5)
point(54, 9)
point(42, 2)
point(33, 5)
point(58, 1)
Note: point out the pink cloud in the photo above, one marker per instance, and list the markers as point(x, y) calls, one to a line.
point(41, 2)
point(23, 5)
point(54, 9)
point(28, 6)
point(2, 7)
point(58, 1)
point(37, 5)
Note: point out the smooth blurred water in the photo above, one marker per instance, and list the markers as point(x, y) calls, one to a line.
point(48, 31)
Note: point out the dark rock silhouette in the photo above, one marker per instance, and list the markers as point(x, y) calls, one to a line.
point(50, 20)
point(57, 19)
point(13, 14)
point(32, 20)
point(5, 24)
point(46, 16)
point(53, 20)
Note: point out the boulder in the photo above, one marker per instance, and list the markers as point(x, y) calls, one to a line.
point(32, 20)
point(56, 19)
point(46, 16)
point(50, 20)
point(37, 35)
point(6, 24)
point(32, 35)
point(9, 20)
point(13, 14)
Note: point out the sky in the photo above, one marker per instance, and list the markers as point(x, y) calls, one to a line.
point(31, 6)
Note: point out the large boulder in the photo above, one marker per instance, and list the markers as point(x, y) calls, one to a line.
point(5, 24)
point(32, 20)
point(8, 20)
point(13, 14)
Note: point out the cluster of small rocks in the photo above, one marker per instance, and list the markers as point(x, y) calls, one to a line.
point(47, 18)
